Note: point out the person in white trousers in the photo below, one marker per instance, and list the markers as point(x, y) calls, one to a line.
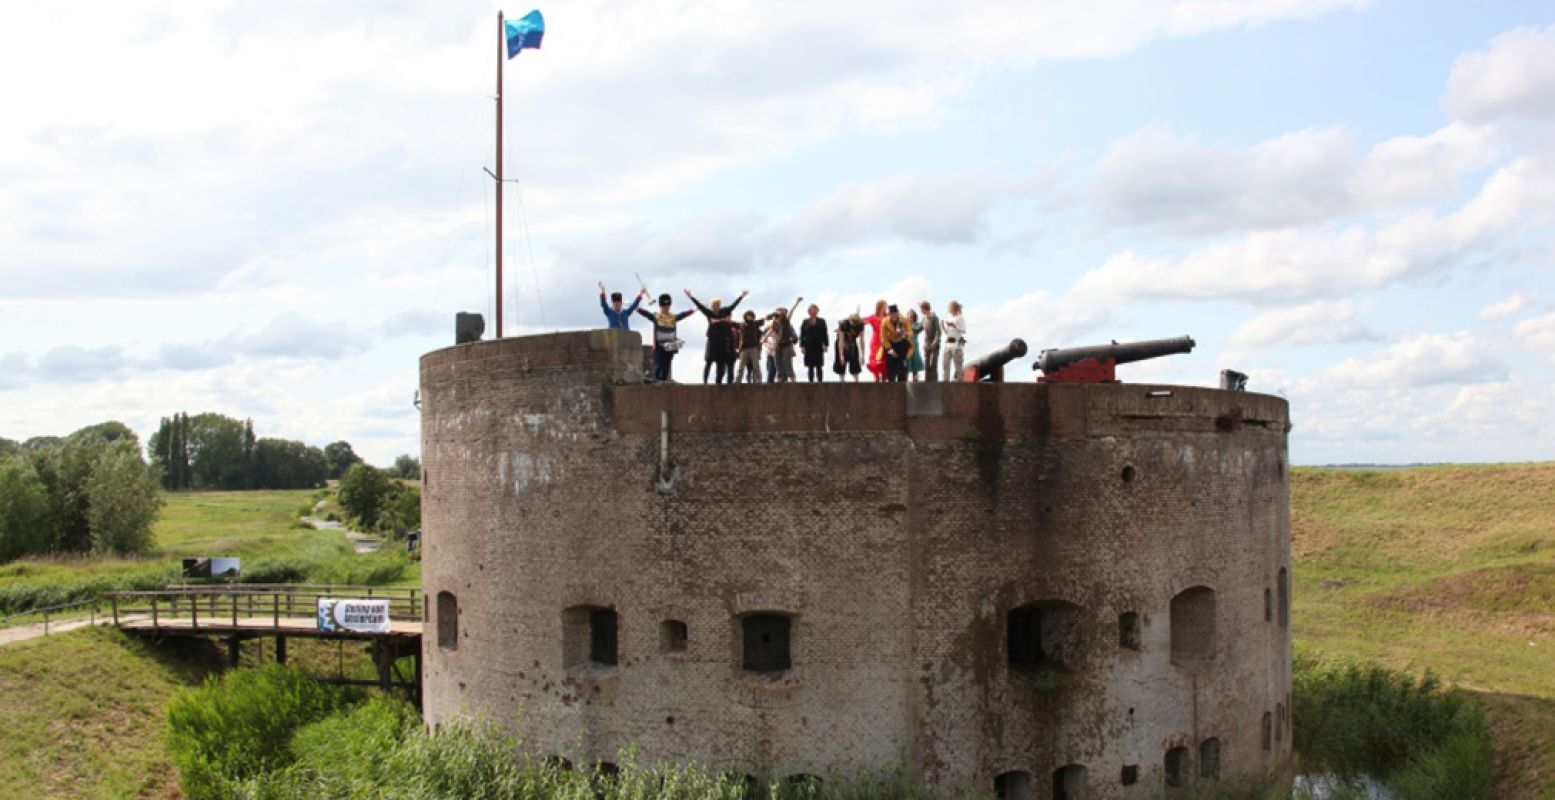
point(955, 342)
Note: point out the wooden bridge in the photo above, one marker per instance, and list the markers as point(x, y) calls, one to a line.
point(235, 613)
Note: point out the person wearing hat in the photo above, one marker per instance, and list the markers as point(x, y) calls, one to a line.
point(750, 349)
point(720, 344)
point(665, 341)
point(895, 345)
point(619, 318)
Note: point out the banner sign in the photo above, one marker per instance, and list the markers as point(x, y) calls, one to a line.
point(363, 616)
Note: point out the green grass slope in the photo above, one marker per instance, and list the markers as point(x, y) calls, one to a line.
point(83, 716)
point(1448, 569)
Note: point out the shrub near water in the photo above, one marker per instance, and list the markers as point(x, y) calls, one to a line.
point(240, 725)
point(1422, 739)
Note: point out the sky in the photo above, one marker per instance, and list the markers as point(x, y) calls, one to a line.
point(272, 209)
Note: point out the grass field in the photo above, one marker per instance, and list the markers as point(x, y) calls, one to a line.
point(1450, 569)
point(262, 528)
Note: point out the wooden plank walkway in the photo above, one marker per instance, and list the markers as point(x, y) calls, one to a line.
point(238, 612)
point(284, 626)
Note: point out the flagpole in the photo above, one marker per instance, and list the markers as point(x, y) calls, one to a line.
point(501, 57)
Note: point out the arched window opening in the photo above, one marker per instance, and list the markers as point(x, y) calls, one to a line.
point(1193, 626)
point(1069, 783)
point(1268, 731)
point(1282, 587)
point(590, 636)
point(672, 636)
point(1177, 767)
point(447, 621)
point(1128, 630)
point(1013, 785)
point(766, 642)
point(1268, 605)
point(1130, 774)
point(1047, 634)
point(1209, 758)
point(1279, 727)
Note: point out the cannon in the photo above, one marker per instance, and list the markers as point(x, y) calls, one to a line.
point(1097, 363)
point(991, 366)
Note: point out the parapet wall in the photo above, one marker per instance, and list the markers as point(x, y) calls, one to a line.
point(1034, 585)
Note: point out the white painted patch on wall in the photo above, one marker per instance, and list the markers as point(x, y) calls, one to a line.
point(524, 471)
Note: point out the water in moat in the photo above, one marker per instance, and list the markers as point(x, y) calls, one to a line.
point(1333, 787)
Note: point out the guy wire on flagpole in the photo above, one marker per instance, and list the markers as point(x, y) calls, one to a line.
point(502, 43)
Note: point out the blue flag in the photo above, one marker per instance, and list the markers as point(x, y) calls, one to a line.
point(524, 32)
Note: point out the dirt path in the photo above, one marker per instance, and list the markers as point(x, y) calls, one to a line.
point(21, 633)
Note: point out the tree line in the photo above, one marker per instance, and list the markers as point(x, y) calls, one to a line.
point(89, 492)
point(214, 451)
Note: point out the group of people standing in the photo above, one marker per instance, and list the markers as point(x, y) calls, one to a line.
point(919, 344)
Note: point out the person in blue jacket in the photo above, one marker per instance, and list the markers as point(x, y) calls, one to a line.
point(619, 318)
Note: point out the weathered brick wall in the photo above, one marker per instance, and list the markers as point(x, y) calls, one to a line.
point(898, 525)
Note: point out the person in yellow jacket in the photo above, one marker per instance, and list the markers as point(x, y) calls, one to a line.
point(895, 345)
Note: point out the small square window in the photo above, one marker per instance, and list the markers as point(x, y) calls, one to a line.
point(766, 642)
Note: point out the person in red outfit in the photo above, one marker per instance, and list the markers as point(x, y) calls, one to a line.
point(876, 361)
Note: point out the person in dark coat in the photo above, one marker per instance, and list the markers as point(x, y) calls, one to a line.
point(814, 341)
point(666, 342)
point(720, 338)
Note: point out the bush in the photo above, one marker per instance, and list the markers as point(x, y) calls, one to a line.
point(1424, 740)
point(381, 750)
point(240, 725)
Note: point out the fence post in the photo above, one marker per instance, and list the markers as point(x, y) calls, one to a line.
point(45, 622)
point(194, 612)
point(234, 611)
point(275, 605)
point(115, 599)
point(154, 623)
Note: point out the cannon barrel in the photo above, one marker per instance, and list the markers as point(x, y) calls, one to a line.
point(1055, 359)
point(992, 364)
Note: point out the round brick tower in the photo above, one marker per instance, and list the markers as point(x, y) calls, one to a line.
point(1036, 589)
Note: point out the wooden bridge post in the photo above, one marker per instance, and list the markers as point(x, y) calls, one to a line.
point(280, 649)
point(234, 651)
point(154, 624)
point(115, 599)
point(194, 611)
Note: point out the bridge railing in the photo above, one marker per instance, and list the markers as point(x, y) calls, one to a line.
point(252, 605)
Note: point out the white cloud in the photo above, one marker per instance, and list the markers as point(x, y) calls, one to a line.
point(1161, 181)
point(1515, 77)
point(1511, 304)
point(1303, 264)
point(1431, 359)
point(1538, 336)
point(1313, 323)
